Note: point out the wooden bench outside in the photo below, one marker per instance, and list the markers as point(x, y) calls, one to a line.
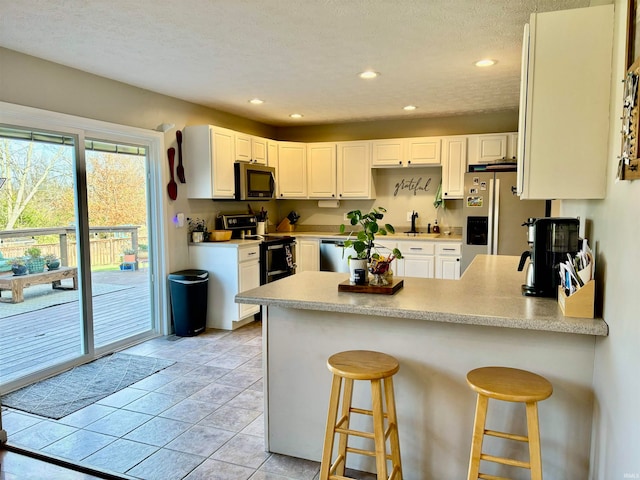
point(17, 283)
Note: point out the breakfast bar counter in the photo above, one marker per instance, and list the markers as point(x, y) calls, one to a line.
point(438, 330)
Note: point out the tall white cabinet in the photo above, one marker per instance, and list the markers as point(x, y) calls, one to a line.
point(564, 104)
point(209, 154)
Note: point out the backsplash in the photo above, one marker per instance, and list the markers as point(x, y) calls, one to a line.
point(399, 190)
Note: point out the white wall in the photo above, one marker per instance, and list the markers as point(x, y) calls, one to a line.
point(613, 225)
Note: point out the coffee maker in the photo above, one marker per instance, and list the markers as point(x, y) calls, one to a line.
point(551, 239)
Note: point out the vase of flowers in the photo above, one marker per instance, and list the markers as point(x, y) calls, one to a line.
point(197, 229)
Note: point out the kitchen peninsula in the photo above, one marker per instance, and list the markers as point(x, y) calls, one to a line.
point(438, 330)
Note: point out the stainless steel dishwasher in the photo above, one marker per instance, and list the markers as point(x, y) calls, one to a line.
point(333, 257)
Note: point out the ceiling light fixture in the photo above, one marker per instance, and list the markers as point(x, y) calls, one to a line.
point(296, 115)
point(409, 108)
point(368, 74)
point(256, 101)
point(487, 62)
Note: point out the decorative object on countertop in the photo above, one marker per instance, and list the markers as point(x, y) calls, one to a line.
point(197, 229)
point(180, 168)
point(364, 244)
point(35, 262)
point(220, 235)
point(52, 261)
point(287, 224)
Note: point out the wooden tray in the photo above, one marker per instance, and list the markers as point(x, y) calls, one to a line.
point(390, 289)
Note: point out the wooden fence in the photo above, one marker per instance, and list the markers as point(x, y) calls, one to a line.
point(104, 251)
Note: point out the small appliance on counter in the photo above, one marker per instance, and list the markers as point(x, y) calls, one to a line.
point(551, 239)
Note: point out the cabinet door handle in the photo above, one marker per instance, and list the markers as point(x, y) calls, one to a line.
point(415, 248)
point(250, 254)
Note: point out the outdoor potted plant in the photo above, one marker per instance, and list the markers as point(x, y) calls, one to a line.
point(364, 243)
point(52, 261)
point(129, 255)
point(18, 266)
point(35, 262)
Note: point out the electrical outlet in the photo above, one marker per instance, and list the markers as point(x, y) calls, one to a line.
point(344, 217)
point(409, 216)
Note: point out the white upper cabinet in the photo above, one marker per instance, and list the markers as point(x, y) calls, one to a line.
point(454, 165)
point(423, 151)
point(250, 149)
point(492, 148)
point(321, 170)
point(292, 170)
point(406, 152)
point(355, 178)
point(512, 147)
point(209, 154)
point(388, 152)
point(272, 153)
point(564, 104)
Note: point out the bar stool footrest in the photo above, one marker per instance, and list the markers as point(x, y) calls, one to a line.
point(484, 476)
point(505, 461)
point(508, 436)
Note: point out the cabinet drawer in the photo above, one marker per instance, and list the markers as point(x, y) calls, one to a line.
point(448, 248)
point(250, 253)
point(416, 248)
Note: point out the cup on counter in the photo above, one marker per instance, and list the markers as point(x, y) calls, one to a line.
point(261, 228)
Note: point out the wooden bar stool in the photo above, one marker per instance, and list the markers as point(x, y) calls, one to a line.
point(511, 385)
point(378, 368)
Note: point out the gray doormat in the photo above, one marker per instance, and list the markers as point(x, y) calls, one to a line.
point(74, 389)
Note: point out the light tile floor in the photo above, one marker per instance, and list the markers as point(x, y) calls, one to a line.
point(199, 419)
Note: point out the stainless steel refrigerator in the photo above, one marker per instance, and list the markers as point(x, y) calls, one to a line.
point(493, 216)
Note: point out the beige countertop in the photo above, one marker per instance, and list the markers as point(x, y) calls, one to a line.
point(439, 237)
point(488, 294)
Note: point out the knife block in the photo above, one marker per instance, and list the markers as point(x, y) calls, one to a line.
point(285, 226)
point(581, 303)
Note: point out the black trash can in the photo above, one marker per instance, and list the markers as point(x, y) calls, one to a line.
point(188, 290)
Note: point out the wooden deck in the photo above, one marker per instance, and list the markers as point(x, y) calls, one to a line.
point(37, 339)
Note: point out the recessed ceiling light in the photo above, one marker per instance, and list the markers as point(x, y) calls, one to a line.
point(409, 108)
point(368, 74)
point(487, 62)
point(256, 101)
point(296, 115)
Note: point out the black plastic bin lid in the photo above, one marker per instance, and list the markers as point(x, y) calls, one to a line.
point(189, 275)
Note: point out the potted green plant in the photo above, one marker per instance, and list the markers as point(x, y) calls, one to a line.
point(197, 229)
point(18, 266)
point(129, 255)
point(35, 262)
point(52, 261)
point(364, 243)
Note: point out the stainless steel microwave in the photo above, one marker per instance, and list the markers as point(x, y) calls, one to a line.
point(254, 182)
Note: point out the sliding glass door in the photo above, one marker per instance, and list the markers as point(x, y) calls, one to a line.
point(74, 212)
point(41, 320)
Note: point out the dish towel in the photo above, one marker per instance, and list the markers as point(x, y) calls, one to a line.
point(438, 201)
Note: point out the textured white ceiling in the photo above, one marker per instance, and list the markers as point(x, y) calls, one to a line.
point(297, 55)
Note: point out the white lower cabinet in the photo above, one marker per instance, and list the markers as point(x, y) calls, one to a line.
point(233, 268)
point(418, 259)
point(448, 260)
point(307, 255)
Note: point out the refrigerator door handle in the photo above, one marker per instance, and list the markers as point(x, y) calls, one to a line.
point(496, 220)
point(491, 218)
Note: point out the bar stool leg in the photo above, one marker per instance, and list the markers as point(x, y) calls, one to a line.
point(378, 430)
point(327, 449)
point(535, 456)
point(393, 420)
point(478, 435)
point(344, 437)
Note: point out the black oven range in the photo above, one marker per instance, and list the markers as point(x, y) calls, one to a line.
point(277, 253)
